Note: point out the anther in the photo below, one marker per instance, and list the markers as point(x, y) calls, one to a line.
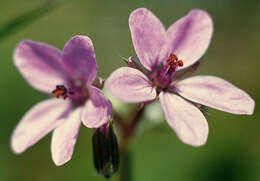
point(61, 90)
point(180, 63)
point(173, 62)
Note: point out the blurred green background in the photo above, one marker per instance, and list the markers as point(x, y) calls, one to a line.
point(232, 152)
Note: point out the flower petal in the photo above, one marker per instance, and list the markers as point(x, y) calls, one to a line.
point(148, 36)
point(216, 93)
point(36, 60)
point(190, 36)
point(79, 56)
point(64, 138)
point(185, 119)
point(97, 110)
point(130, 85)
point(37, 122)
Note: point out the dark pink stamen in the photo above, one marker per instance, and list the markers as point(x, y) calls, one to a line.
point(173, 62)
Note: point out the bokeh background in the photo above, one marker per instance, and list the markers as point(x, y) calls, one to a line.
point(232, 152)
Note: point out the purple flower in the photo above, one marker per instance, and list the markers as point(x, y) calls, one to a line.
point(70, 74)
point(167, 57)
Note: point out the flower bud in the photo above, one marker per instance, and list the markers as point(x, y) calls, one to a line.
point(105, 150)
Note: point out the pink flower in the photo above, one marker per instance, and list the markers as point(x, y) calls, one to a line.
point(69, 74)
point(166, 57)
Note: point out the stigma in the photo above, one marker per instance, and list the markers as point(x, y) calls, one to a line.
point(61, 91)
point(172, 62)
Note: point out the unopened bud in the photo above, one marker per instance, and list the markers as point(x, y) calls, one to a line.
point(105, 150)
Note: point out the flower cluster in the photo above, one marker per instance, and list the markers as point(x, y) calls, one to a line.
point(165, 58)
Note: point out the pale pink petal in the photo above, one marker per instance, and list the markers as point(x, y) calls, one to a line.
point(37, 122)
point(130, 85)
point(79, 56)
point(216, 93)
point(97, 110)
point(36, 60)
point(190, 36)
point(64, 138)
point(185, 119)
point(148, 36)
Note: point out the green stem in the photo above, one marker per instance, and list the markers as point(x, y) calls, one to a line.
point(126, 167)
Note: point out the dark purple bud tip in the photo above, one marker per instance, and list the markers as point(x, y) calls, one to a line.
point(134, 62)
point(105, 151)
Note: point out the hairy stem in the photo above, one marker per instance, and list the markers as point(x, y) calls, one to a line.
point(126, 167)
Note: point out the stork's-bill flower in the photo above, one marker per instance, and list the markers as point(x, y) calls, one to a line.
point(165, 59)
point(71, 76)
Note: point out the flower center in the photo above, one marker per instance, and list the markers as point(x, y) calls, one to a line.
point(76, 91)
point(61, 91)
point(173, 62)
point(163, 76)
